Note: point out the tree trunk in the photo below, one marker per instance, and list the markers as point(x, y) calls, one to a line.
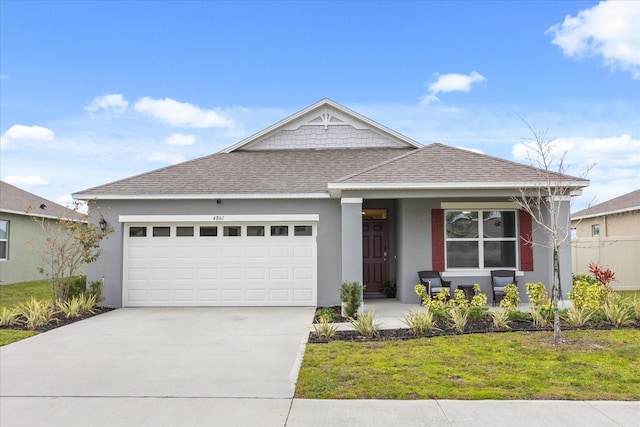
point(557, 335)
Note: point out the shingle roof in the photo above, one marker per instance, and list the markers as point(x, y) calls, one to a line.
point(250, 172)
point(15, 200)
point(281, 172)
point(443, 164)
point(626, 202)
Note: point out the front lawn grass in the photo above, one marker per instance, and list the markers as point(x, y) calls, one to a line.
point(7, 336)
point(17, 293)
point(591, 365)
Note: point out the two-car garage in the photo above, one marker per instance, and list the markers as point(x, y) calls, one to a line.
point(230, 260)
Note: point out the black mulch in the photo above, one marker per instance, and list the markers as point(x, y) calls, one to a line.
point(480, 326)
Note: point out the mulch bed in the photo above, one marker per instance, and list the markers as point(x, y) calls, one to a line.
point(59, 320)
point(480, 326)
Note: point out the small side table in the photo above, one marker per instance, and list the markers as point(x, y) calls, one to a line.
point(468, 291)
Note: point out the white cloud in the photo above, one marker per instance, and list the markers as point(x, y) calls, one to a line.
point(113, 102)
point(450, 83)
point(180, 139)
point(171, 158)
point(25, 133)
point(25, 181)
point(609, 29)
point(614, 162)
point(181, 113)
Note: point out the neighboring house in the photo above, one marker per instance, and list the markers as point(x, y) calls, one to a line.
point(609, 233)
point(324, 196)
point(20, 235)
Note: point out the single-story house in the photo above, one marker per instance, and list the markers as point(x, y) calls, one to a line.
point(20, 236)
point(609, 233)
point(324, 196)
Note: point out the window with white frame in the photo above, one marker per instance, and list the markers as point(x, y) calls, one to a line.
point(4, 239)
point(480, 239)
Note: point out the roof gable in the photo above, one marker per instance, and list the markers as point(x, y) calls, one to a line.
point(324, 125)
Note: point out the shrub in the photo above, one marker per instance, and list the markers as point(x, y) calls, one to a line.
point(77, 286)
point(324, 330)
point(326, 313)
point(511, 298)
point(538, 296)
point(602, 274)
point(37, 313)
point(477, 312)
point(518, 316)
point(420, 322)
point(617, 312)
point(577, 317)
point(365, 325)
point(500, 319)
point(460, 299)
point(88, 303)
point(542, 317)
point(479, 299)
point(588, 294)
point(95, 288)
point(9, 316)
point(351, 297)
point(71, 308)
point(459, 318)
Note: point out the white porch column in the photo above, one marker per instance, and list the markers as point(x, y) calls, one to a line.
point(352, 239)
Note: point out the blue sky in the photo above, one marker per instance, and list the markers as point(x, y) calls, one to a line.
point(91, 92)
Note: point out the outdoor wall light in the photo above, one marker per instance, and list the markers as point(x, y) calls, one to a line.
point(103, 224)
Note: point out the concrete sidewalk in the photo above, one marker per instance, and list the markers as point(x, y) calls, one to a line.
point(241, 412)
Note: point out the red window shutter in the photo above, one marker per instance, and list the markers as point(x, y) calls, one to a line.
point(437, 239)
point(526, 236)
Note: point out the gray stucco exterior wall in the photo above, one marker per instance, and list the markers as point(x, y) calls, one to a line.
point(339, 237)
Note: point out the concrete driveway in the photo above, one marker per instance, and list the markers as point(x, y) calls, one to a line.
point(134, 357)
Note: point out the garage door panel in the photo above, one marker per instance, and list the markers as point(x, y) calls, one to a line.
point(207, 273)
point(256, 273)
point(219, 270)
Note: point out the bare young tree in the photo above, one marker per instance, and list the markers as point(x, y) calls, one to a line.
point(69, 243)
point(544, 204)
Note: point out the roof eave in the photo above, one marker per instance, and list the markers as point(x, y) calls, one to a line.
point(221, 196)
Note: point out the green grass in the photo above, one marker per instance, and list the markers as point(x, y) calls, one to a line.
point(7, 336)
point(592, 365)
point(629, 294)
point(17, 293)
point(12, 295)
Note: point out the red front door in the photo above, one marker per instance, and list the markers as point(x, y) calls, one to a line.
point(374, 254)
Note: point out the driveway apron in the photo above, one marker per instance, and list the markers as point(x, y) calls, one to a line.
point(158, 353)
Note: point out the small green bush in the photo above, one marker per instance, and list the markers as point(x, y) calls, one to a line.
point(9, 316)
point(351, 297)
point(538, 295)
point(511, 298)
point(95, 288)
point(324, 330)
point(589, 294)
point(500, 319)
point(420, 322)
point(77, 286)
point(459, 318)
point(37, 313)
point(365, 325)
point(326, 313)
point(577, 317)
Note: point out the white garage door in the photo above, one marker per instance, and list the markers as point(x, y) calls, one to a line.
point(232, 261)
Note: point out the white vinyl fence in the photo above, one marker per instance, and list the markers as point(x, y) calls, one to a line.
point(620, 254)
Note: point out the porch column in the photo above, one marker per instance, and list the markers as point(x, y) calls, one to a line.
point(352, 239)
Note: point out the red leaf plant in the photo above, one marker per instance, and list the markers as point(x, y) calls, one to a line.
point(602, 274)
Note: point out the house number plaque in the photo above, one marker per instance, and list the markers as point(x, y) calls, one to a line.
point(218, 217)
